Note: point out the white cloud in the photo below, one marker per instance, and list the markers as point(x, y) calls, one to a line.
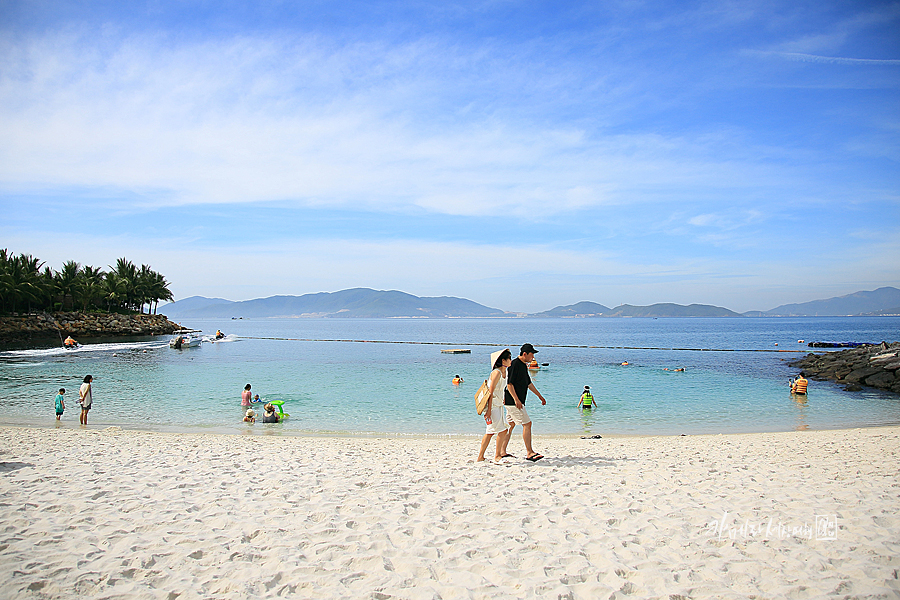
point(836, 60)
point(245, 120)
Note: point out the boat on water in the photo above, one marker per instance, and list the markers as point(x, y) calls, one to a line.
point(185, 338)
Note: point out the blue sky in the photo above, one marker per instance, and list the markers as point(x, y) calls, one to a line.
point(521, 154)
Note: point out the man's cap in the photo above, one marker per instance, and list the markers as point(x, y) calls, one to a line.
point(527, 349)
point(587, 387)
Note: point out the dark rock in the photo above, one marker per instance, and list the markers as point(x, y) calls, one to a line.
point(858, 375)
point(875, 366)
point(883, 379)
point(80, 325)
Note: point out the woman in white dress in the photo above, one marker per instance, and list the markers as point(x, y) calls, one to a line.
point(493, 412)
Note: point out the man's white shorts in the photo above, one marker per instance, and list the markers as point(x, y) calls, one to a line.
point(518, 416)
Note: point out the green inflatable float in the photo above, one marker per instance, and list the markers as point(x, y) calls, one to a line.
point(277, 404)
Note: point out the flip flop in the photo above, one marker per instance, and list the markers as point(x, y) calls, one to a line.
point(507, 456)
point(534, 457)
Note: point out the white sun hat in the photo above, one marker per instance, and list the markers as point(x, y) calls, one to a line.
point(495, 356)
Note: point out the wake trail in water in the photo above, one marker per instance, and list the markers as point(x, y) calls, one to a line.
point(84, 349)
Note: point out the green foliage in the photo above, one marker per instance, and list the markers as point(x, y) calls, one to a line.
point(124, 288)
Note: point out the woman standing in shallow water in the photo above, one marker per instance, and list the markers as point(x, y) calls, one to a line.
point(493, 413)
point(85, 398)
point(246, 397)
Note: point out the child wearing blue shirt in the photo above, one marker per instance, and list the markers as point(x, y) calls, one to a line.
point(60, 403)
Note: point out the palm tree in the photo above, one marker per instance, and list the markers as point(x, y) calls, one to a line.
point(144, 287)
point(90, 286)
point(160, 290)
point(126, 272)
point(5, 279)
point(66, 281)
point(24, 281)
point(47, 289)
point(114, 290)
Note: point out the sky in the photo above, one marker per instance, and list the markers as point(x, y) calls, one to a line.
point(523, 155)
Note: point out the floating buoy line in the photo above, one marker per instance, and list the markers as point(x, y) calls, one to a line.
point(350, 341)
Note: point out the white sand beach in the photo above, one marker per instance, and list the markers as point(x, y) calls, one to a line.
point(109, 513)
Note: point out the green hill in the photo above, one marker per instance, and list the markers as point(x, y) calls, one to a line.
point(581, 309)
point(357, 302)
point(671, 310)
point(880, 301)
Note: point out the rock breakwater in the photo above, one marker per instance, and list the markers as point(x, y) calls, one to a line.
point(81, 325)
point(873, 366)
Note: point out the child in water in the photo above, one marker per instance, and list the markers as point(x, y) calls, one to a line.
point(60, 403)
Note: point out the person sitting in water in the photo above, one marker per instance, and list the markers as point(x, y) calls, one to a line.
point(250, 417)
point(587, 400)
point(270, 416)
point(457, 380)
point(798, 386)
point(256, 398)
point(70, 342)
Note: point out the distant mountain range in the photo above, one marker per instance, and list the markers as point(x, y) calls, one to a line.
point(885, 300)
point(591, 309)
point(357, 302)
point(364, 302)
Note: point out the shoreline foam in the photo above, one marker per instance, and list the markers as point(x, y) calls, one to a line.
point(115, 513)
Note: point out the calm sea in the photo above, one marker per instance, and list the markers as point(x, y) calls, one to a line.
point(734, 383)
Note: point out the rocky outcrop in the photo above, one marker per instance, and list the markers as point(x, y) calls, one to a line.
point(873, 366)
point(81, 325)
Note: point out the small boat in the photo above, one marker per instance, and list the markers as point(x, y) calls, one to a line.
point(185, 338)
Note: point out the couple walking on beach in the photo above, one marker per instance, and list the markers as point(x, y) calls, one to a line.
point(508, 386)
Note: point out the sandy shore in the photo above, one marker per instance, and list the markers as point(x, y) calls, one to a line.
point(121, 514)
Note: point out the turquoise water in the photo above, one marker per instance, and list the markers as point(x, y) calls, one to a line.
point(360, 388)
